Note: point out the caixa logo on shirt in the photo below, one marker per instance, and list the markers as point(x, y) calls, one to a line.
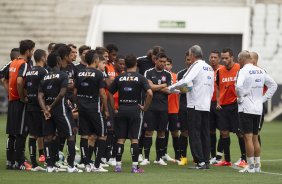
point(258, 80)
point(207, 68)
point(127, 89)
point(255, 72)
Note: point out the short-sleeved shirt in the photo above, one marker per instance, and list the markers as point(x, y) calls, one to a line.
point(33, 77)
point(182, 99)
point(70, 71)
point(77, 68)
point(52, 83)
point(129, 85)
point(160, 99)
point(4, 70)
point(88, 83)
point(144, 63)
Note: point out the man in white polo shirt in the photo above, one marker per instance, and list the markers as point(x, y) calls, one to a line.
point(249, 88)
point(198, 105)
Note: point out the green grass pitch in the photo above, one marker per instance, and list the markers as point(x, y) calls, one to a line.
point(271, 165)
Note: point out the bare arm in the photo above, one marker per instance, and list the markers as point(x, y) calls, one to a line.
point(59, 98)
point(20, 88)
point(6, 84)
point(103, 97)
point(156, 87)
point(149, 97)
point(44, 108)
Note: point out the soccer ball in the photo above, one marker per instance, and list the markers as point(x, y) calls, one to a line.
point(186, 88)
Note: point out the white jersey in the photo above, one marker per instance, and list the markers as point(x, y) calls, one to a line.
point(202, 76)
point(249, 88)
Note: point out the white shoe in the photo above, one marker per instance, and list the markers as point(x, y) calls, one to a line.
point(258, 169)
point(60, 165)
point(145, 162)
point(38, 168)
point(238, 162)
point(247, 170)
point(100, 169)
point(213, 160)
point(160, 162)
point(52, 169)
point(140, 158)
point(79, 166)
point(88, 168)
point(168, 158)
point(74, 170)
point(104, 160)
point(112, 162)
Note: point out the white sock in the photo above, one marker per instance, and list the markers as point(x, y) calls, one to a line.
point(251, 161)
point(118, 163)
point(134, 164)
point(257, 161)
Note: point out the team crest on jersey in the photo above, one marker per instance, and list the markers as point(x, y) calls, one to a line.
point(164, 78)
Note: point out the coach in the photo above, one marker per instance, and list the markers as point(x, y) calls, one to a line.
point(198, 105)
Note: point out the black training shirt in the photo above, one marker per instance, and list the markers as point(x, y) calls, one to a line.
point(144, 63)
point(182, 101)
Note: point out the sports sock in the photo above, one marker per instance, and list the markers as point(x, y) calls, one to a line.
point(219, 149)
point(250, 161)
point(213, 145)
point(101, 146)
point(175, 144)
point(55, 150)
point(183, 144)
point(161, 146)
point(84, 150)
point(61, 144)
point(114, 147)
point(41, 152)
point(120, 149)
point(91, 151)
point(242, 148)
point(157, 146)
point(19, 149)
point(71, 152)
point(10, 150)
point(32, 151)
point(257, 162)
point(48, 149)
point(166, 141)
point(226, 146)
point(141, 142)
point(147, 146)
point(109, 143)
point(134, 152)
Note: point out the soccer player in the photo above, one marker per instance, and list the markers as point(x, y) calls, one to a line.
point(228, 108)
point(82, 51)
point(89, 88)
point(128, 123)
point(73, 52)
point(51, 47)
point(16, 127)
point(182, 116)
point(34, 116)
point(52, 100)
point(249, 88)
point(156, 118)
point(198, 105)
point(113, 53)
point(173, 108)
point(214, 59)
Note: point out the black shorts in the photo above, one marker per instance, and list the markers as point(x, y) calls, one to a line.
point(228, 118)
point(16, 124)
point(91, 123)
point(156, 120)
point(35, 121)
point(111, 120)
point(182, 118)
point(214, 116)
point(173, 123)
point(249, 123)
point(61, 122)
point(128, 123)
point(262, 116)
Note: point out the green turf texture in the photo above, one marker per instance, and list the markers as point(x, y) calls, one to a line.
point(271, 150)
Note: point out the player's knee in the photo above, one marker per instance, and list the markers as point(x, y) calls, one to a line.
point(48, 138)
point(175, 133)
point(161, 134)
point(184, 133)
point(103, 138)
point(224, 134)
point(149, 133)
point(134, 141)
point(121, 141)
point(71, 138)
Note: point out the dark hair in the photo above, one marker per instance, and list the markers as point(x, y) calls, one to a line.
point(161, 55)
point(228, 50)
point(51, 46)
point(169, 60)
point(91, 56)
point(119, 57)
point(15, 52)
point(26, 45)
point(53, 59)
point(101, 50)
point(130, 61)
point(83, 48)
point(157, 50)
point(38, 54)
point(112, 47)
point(72, 45)
point(57, 46)
point(63, 51)
point(215, 52)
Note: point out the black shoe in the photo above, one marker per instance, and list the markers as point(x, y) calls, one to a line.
point(200, 166)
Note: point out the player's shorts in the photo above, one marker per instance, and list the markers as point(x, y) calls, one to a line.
point(61, 121)
point(16, 124)
point(128, 122)
point(182, 118)
point(228, 118)
point(111, 120)
point(214, 116)
point(156, 120)
point(35, 120)
point(249, 123)
point(262, 116)
point(173, 123)
point(92, 123)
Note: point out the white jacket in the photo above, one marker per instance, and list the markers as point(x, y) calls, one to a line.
point(249, 88)
point(202, 76)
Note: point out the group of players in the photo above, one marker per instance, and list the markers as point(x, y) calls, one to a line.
point(107, 98)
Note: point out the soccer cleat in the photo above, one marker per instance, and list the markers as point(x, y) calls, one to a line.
point(99, 169)
point(168, 158)
point(213, 160)
point(202, 165)
point(76, 149)
point(38, 168)
point(247, 170)
point(140, 158)
point(160, 162)
point(112, 162)
point(27, 165)
point(79, 166)
point(238, 162)
point(118, 169)
point(74, 170)
point(88, 168)
point(137, 170)
point(183, 161)
point(242, 164)
point(60, 165)
point(258, 169)
point(223, 163)
point(41, 158)
point(145, 162)
point(52, 169)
